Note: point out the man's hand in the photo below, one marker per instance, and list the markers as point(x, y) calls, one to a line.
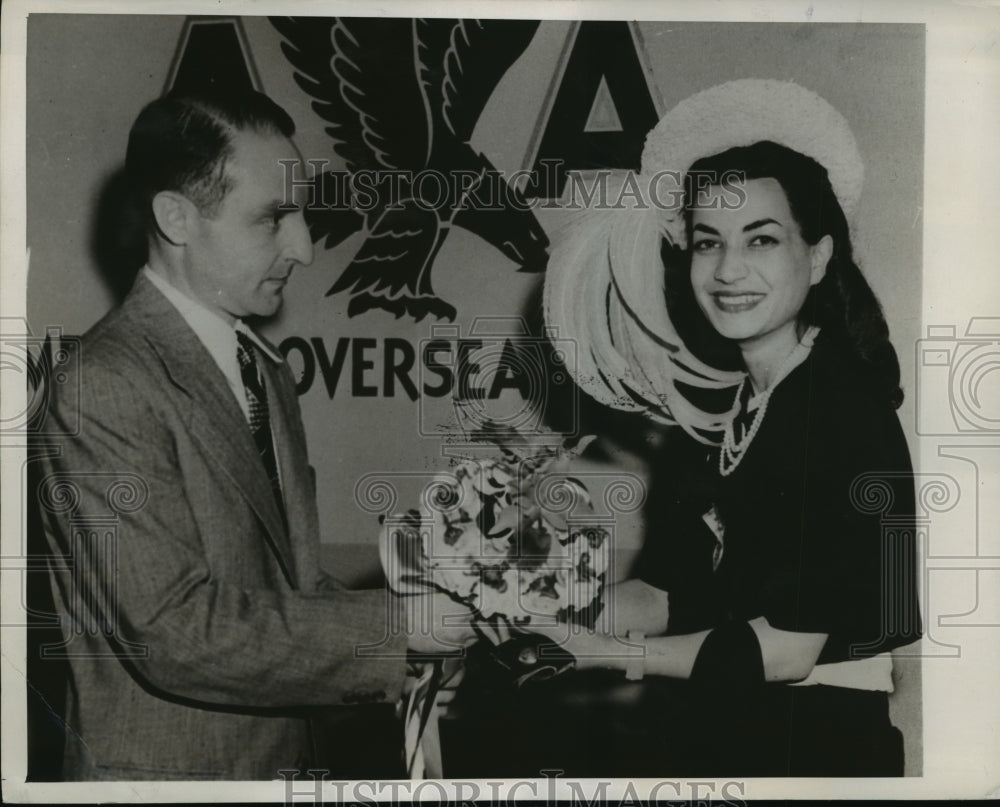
point(437, 625)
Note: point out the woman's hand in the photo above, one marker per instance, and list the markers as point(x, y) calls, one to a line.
point(638, 606)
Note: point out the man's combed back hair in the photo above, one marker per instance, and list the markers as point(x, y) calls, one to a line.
point(181, 143)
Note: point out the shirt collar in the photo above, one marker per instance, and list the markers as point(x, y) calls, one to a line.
point(217, 335)
point(268, 351)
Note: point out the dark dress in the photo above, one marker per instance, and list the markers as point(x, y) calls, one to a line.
point(819, 537)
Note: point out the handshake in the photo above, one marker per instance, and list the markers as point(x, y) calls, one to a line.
point(441, 629)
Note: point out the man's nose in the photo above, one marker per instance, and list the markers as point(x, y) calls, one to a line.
point(731, 266)
point(298, 245)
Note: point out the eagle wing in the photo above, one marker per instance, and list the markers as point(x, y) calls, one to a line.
point(478, 55)
point(362, 77)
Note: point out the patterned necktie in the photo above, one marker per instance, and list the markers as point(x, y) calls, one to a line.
point(260, 420)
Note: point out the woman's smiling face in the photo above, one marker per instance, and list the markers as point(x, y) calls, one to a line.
point(751, 270)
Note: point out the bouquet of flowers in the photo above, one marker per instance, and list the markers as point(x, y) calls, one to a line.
point(513, 537)
point(508, 536)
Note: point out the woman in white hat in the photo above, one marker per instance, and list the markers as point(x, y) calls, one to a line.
point(768, 593)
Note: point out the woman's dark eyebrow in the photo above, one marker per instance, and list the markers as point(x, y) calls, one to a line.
point(753, 225)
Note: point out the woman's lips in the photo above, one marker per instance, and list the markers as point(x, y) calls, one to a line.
point(732, 303)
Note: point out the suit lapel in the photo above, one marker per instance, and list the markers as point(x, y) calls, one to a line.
point(293, 464)
point(212, 413)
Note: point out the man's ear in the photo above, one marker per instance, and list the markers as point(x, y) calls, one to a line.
point(175, 216)
point(819, 254)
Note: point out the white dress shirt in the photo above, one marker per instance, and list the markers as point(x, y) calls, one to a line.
point(217, 335)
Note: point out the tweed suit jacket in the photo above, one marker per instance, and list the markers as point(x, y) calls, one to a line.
point(198, 629)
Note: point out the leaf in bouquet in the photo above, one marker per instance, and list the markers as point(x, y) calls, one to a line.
point(508, 520)
point(469, 544)
point(452, 533)
point(454, 581)
point(585, 616)
point(512, 456)
point(502, 537)
point(537, 465)
point(560, 499)
point(560, 465)
point(581, 489)
point(492, 479)
point(502, 598)
point(596, 536)
point(544, 586)
point(556, 522)
point(577, 445)
point(535, 544)
point(590, 546)
point(502, 513)
point(492, 574)
point(496, 548)
point(583, 569)
point(493, 432)
point(486, 519)
point(541, 603)
point(468, 600)
point(495, 485)
point(582, 593)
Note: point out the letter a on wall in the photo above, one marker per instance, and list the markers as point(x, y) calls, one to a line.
point(601, 105)
point(213, 54)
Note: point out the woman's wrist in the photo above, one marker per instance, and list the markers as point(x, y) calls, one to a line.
point(597, 651)
point(600, 651)
point(635, 663)
point(593, 651)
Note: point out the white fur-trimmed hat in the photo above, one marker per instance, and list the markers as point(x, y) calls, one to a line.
point(746, 111)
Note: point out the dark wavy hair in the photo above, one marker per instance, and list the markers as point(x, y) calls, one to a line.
point(181, 142)
point(842, 304)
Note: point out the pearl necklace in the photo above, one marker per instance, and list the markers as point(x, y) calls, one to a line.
point(731, 452)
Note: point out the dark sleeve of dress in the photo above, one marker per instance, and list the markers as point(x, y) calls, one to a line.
point(850, 568)
point(676, 554)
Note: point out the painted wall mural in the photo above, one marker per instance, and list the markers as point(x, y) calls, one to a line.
point(402, 98)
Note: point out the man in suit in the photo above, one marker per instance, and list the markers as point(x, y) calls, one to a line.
point(197, 623)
